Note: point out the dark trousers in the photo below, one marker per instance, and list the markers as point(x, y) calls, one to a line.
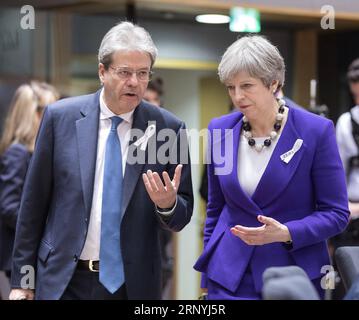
point(85, 285)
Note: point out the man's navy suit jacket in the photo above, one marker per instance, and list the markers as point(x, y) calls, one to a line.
point(56, 203)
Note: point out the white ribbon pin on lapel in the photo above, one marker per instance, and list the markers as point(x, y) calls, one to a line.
point(150, 131)
point(286, 157)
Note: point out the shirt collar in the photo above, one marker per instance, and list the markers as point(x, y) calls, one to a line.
point(106, 113)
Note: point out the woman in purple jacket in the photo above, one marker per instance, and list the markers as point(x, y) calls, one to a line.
point(16, 146)
point(276, 182)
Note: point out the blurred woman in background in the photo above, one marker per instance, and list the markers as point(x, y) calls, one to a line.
point(16, 146)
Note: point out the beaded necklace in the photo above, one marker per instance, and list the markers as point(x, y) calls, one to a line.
point(273, 134)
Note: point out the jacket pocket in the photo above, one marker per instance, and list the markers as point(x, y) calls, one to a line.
point(44, 251)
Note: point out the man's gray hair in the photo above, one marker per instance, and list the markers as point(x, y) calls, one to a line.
point(126, 36)
point(256, 56)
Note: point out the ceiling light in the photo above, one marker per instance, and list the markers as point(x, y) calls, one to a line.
point(212, 18)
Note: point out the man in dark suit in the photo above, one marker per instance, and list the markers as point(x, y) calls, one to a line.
point(88, 223)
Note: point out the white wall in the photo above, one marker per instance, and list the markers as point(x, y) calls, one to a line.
point(182, 98)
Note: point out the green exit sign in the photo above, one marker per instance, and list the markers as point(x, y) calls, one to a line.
point(244, 20)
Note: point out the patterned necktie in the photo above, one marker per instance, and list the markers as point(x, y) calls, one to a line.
point(111, 264)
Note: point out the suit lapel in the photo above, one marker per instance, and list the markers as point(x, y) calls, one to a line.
point(133, 171)
point(278, 173)
point(87, 136)
point(236, 194)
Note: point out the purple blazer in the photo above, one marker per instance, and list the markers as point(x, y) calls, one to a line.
point(308, 194)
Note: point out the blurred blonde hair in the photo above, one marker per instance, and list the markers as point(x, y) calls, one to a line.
point(24, 115)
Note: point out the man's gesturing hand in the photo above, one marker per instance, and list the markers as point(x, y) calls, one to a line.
point(163, 195)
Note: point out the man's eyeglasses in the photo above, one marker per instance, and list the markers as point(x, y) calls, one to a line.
point(126, 74)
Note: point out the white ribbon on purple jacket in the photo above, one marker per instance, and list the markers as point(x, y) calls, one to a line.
point(286, 157)
point(150, 131)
